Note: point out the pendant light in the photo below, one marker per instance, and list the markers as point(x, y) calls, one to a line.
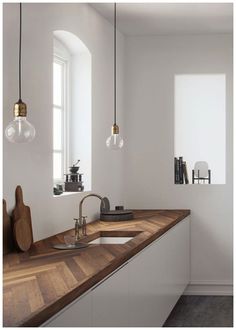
point(115, 141)
point(20, 130)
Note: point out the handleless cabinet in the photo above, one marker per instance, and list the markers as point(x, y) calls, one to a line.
point(110, 305)
point(77, 314)
point(142, 292)
point(158, 276)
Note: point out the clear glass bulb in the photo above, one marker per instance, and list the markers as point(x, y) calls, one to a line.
point(20, 130)
point(114, 142)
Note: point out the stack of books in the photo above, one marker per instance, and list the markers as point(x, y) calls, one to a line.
point(181, 173)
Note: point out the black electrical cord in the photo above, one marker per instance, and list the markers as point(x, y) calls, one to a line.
point(20, 51)
point(115, 63)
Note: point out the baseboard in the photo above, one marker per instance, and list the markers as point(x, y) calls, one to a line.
point(209, 289)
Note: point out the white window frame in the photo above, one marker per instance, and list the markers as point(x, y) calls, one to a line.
point(61, 56)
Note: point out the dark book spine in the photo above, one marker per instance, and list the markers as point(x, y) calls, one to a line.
point(175, 170)
point(185, 172)
point(181, 178)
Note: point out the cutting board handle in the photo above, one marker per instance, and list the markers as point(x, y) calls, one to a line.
point(4, 205)
point(8, 244)
point(19, 195)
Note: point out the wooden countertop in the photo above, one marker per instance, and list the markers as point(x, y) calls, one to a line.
point(40, 282)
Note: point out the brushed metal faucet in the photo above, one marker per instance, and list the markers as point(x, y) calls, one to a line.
point(81, 222)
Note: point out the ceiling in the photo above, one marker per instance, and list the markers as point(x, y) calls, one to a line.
point(169, 18)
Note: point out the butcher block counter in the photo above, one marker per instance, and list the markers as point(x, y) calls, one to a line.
point(39, 283)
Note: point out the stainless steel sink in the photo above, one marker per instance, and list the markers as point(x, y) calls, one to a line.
point(110, 240)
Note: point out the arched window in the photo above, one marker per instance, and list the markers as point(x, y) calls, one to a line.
point(61, 108)
point(71, 107)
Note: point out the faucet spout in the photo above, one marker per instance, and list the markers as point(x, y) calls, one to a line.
point(81, 219)
point(82, 200)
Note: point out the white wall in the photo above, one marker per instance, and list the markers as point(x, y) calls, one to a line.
point(31, 165)
point(150, 67)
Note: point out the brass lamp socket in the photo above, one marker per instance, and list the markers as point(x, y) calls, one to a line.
point(20, 109)
point(115, 129)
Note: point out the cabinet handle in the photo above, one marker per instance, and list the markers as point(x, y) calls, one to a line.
point(106, 278)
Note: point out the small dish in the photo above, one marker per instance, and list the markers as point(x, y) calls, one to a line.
point(70, 244)
point(70, 247)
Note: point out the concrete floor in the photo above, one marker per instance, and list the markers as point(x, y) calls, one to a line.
point(202, 311)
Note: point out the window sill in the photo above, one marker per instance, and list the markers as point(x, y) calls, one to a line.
point(69, 193)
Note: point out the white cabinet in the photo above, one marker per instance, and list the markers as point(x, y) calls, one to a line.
point(77, 314)
point(140, 293)
point(158, 276)
point(110, 306)
point(147, 281)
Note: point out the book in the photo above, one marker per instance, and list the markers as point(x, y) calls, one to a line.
point(181, 176)
point(180, 171)
point(185, 173)
point(177, 171)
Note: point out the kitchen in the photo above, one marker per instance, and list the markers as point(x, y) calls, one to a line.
point(160, 49)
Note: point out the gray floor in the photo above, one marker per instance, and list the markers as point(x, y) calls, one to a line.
point(202, 311)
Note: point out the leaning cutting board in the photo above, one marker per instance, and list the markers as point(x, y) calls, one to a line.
point(8, 244)
point(22, 226)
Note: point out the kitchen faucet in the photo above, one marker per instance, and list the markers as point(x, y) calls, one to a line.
point(81, 222)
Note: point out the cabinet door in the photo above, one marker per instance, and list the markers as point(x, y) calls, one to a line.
point(77, 314)
point(158, 276)
point(110, 301)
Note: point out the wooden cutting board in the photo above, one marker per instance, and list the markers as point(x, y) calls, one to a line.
point(8, 244)
point(22, 226)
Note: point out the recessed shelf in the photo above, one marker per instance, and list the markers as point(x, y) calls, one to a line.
point(69, 193)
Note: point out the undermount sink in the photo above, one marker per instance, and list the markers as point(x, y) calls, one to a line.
point(110, 240)
point(110, 237)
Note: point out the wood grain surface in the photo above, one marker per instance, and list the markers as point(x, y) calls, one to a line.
point(40, 282)
point(8, 244)
point(22, 226)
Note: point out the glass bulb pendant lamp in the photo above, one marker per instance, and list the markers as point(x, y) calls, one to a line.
point(115, 141)
point(19, 129)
